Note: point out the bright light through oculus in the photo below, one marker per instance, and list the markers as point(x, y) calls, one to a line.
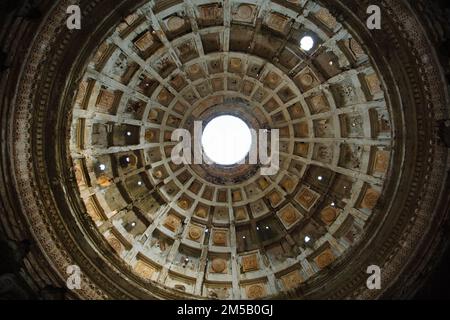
point(226, 140)
point(306, 43)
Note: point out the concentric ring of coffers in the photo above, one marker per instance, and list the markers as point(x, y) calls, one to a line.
point(248, 235)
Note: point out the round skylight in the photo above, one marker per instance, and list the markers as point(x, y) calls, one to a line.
point(307, 43)
point(226, 140)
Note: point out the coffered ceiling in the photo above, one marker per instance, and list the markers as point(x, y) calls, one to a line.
point(360, 175)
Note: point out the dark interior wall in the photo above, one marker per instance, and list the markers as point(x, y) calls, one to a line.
point(438, 284)
point(435, 15)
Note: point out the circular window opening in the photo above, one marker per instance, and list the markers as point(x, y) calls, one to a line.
point(226, 140)
point(307, 43)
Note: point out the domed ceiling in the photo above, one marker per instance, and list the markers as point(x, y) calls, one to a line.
point(229, 231)
point(357, 150)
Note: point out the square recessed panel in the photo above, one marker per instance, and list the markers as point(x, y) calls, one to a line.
point(145, 270)
point(256, 291)
point(244, 13)
point(172, 222)
point(306, 79)
point(275, 199)
point(325, 258)
point(195, 232)
point(250, 262)
point(259, 208)
point(307, 198)
point(220, 237)
point(240, 214)
point(291, 280)
point(289, 216)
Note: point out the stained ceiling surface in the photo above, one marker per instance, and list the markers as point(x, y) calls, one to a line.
point(90, 119)
point(229, 231)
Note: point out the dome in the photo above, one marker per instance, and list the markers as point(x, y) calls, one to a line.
point(354, 170)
